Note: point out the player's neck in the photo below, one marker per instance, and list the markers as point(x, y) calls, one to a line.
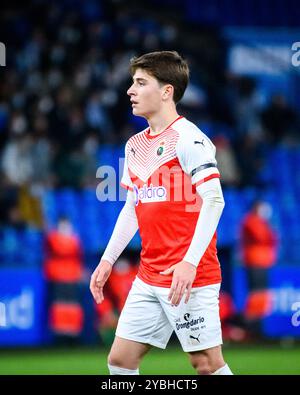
point(159, 122)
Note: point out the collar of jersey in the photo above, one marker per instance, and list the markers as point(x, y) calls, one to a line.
point(157, 135)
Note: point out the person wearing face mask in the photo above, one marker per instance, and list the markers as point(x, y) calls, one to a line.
point(63, 270)
point(259, 249)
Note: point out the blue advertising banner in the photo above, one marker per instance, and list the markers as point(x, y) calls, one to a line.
point(22, 306)
point(283, 318)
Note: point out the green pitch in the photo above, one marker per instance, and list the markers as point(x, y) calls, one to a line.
point(242, 360)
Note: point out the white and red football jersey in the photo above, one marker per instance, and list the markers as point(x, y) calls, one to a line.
point(163, 171)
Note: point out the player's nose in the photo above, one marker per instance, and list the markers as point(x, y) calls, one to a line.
point(130, 91)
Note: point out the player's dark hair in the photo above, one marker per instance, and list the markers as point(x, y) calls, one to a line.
point(168, 67)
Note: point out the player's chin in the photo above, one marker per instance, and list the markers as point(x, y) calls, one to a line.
point(138, 112)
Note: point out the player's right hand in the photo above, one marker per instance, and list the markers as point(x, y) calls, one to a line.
point(98, 279)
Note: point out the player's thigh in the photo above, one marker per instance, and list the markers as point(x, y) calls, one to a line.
point(197, 323)
point(143, 319)
point(127, 353)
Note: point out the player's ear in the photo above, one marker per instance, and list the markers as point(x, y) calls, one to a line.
point(168, 91)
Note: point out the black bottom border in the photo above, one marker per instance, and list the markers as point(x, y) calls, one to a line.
point(132, 384)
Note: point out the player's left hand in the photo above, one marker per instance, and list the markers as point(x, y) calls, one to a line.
point(184, 274)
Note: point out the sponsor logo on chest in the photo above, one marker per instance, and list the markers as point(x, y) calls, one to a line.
point(149, 194)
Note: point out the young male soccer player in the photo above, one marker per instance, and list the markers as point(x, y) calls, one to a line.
point(175, 199)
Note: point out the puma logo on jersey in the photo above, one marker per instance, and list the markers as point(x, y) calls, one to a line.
point(133, 151)
point(199, 142)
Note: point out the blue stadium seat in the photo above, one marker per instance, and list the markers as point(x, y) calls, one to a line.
point(67, 204)
point(49, 208)
point(10, 246)
point(21, 247)
point(246, 197)
point(88, 195)
point(94, 239)
point(108, 155)
point(95, 220)
point(32, 241)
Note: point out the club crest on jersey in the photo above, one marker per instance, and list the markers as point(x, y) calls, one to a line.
point(160, 149)
point(149, 194)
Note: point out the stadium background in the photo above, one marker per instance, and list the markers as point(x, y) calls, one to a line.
point(64, 113)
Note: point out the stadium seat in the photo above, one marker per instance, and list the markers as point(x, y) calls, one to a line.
point(108, 155)
point(49, 208)
point(9, 246)
point(21, 247)
point(67, 204)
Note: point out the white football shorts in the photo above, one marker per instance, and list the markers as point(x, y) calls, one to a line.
point(148, 317)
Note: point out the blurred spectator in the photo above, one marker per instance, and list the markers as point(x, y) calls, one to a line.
point(115, 294)
point(232, 328)
point(67, 78)
point(96, 115)
point(17, 163)
point(30, 206)
point(227, 164)
point(279, 120)
point(42, 151)
point(246, 107)
point(63, 270)
point(90, 149)
point(69, 168)
point(250, 156)
point(259, 253)
point(10, 213)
